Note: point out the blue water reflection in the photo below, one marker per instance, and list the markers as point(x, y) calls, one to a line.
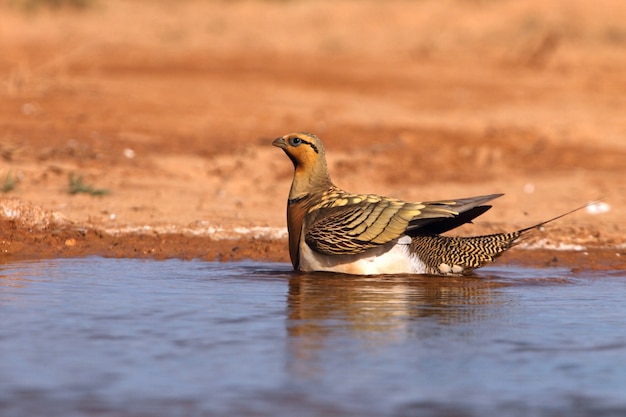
point(133, 337)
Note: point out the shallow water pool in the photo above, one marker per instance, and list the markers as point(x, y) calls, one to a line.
point(120, 337)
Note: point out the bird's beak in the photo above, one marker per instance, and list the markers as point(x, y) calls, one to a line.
point(280, 142)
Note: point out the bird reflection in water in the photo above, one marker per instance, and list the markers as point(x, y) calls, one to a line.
point(325, 309)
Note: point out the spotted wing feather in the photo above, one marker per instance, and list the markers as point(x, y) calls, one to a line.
point(364, 222)
point(345, 224)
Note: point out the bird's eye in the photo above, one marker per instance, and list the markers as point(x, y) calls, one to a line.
point(295, 141)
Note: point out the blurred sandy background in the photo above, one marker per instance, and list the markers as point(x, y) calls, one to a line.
point(171, 107)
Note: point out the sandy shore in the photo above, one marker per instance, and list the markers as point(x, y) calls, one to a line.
point(171, 110)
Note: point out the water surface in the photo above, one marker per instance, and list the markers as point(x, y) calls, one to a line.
point(173, 338)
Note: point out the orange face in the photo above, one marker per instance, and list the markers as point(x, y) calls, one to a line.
point(304, 149)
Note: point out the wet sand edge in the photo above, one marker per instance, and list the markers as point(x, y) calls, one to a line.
point(55, 241)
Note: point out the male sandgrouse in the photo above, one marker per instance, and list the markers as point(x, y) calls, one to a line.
point(333, 230)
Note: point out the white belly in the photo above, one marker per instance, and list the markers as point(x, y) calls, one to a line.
point(392, 258)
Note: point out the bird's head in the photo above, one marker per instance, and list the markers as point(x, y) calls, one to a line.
point(309, 160)
point(304, 149)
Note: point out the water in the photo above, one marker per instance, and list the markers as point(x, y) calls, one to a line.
point(111, 337)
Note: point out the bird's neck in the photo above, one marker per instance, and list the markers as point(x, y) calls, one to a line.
point(310, 180)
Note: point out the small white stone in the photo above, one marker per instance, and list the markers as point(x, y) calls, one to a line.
point(529, 188)
point(30, 109)
point(598, 208)
point(129, 153)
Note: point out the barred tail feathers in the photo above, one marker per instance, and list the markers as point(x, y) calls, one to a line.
point(457, 255)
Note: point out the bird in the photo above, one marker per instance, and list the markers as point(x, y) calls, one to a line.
point(333, 230)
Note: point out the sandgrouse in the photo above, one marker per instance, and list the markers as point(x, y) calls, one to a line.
point(333, 230)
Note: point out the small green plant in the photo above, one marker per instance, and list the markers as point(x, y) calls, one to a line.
point(77, 186)
point(9, 183)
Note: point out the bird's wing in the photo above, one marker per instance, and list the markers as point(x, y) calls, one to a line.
point(466, 208)
point(351, 224)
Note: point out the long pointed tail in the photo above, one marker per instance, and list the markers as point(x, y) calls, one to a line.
point(460, 255)
point(543, 223)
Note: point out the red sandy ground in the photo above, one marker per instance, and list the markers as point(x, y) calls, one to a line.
point(172, 106)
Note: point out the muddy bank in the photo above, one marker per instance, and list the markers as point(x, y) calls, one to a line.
point(63, 241)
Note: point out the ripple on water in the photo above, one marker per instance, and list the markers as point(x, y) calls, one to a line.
point(101, 336)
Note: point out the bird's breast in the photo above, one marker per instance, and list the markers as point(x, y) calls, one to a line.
point(392, 258)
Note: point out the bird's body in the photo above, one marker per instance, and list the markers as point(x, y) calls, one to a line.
point(391, 258)
point(366, 234)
